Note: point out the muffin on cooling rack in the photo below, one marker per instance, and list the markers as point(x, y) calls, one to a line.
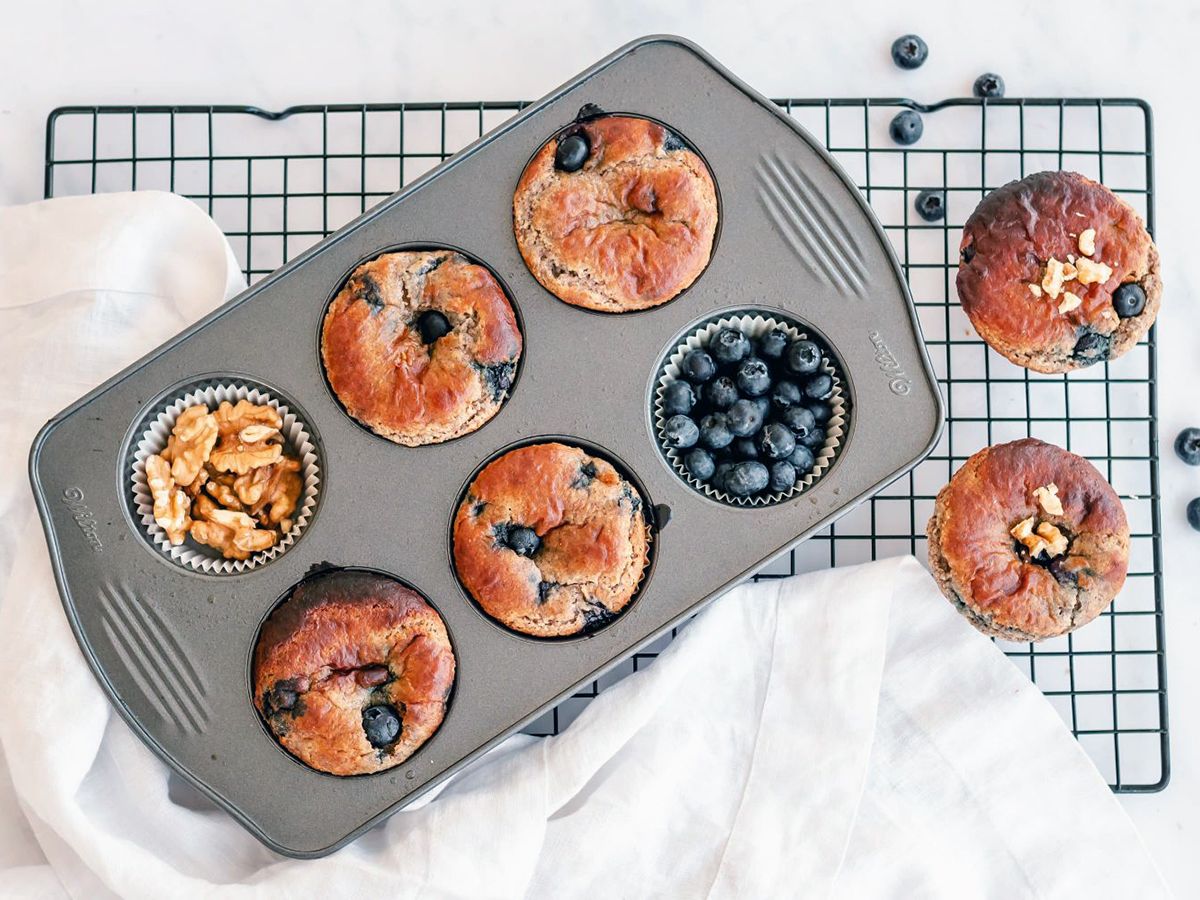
point(352, 672)
point(551, 541)
point(1028, 541)
point(616, 213)
point(1056, 273)
point(421, 346)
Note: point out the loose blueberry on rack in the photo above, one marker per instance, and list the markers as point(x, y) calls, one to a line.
point(746, 478)
point(744, 448)
point(729, 346)
point(906, 127)
point(802, 459)
point(931, 205)
point(783, 476)
point(776, 441)
point(721, 392)
point(772, 344)
point(432, 325)
point(1187, 446)
point(381, 725)
point(989, 84)
point(753, 377)
point(1129, 300)
point(786, 393)
point(799, 421)
point(1193, 513)
point(822, 412)
point(700, 463)
point(803, 357)
point(714, 431)
point(678, 398)
point(744, 418)
point(572, 152)
point(698, 366)
point(819, 387)
point(909, 51)
point(680, 432)
point(523, 541)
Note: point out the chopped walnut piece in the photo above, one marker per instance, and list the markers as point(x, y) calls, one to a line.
point(1055, 540)
point(274, 489)
point(1034, 289)
point(224, 493)
point(1091, 272)
point(1057, 272)
point(191, 441)
point(1047, 498)
point(1087, 241)
point(171, 505)
point(235, 534)
point(1047, 539)
point(248, 437)
point(1069, 302)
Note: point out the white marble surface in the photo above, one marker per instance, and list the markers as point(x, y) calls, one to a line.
point(275, 53)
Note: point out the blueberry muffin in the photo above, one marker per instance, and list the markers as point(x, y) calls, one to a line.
point(352, 672)
point(1057, 273)
point(1028, 541)
point(421, 346)
point(615, 214)
point(551, 541)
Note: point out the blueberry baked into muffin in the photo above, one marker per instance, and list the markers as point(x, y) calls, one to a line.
point(615, 214)
point(1028, 541)
point(1056, 273)
point(551, 541)
point(352, 672)
point(421, 346)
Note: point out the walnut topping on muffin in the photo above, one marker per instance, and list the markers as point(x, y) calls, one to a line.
point(1087, 241)
point(1047, 498)
point(1045, 539)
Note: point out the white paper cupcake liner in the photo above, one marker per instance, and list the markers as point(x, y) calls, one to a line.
point(752, 326)
point(190, 553)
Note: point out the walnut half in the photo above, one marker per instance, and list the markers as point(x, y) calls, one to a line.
point(248, 437)
point(171, 505)
point(234, 533)
point(1046, 539)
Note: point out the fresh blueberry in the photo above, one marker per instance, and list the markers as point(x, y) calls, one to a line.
point(802, 459)
point(909, 51)
point(819, 387)
point(729, 346)
point(746, 478)
point(799, 420)
point(1187, 446)
point(432, 325)
point(753, 377)
point(783, 476)
point(680, 432)
point(931, 205)
point(803, 357)
point(721, 392)
point(822, 412)
point(700, 463)
point(1193, 513)
point(714, 431)
point(678, 398)
point(776, 441)
point(906, 127)
point(523, 541)
point(381, 725)
point(786, 393)
point(698, 366)
point(719, 476)
point(989, 84)
point(772, 344)
point(764, 406)
point(744, 448)
point(813, 439)
point(744, 418)
point(1092, 347)
point(1129, 300)
point(572, 152)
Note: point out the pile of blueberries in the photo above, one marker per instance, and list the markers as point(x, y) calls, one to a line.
point(748, 417)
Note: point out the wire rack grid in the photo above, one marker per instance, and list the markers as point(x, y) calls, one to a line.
point(278, 182)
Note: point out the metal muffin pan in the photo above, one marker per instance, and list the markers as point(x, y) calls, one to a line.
point(172, 648)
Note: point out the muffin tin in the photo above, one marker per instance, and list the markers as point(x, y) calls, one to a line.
point(172, 647)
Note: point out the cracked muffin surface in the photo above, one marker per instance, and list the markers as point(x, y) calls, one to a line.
point(1003, 579)
point(628, 229)
point(352, 672)
point(421, 346)
point(1048, 269)
point(551, 541)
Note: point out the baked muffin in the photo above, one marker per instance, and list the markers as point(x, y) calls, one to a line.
point(1028, 541)
point(421, 346)
point(352, 672)
point(1056, 273)
point(615, 214)
point(551, 541)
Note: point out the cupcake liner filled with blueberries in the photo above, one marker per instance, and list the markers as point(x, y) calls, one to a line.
point(749, 410)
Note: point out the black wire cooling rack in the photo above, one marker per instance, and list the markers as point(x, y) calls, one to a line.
point(277, 182)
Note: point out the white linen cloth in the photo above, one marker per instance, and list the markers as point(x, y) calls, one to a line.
point(839, 734)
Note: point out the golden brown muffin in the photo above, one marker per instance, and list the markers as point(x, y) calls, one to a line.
point(352, 672)
point(1044, 262)
point(421, 346)
point(551, 541)
point(629, 229)
point(1028, 541)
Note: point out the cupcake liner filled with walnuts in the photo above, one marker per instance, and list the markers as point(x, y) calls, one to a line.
point(224, 478)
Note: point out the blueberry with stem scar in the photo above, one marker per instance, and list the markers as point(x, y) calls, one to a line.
point(714, 431)
point(1187, 446)
point(744, 418)
point(909, 51)
point(907, 126)
point(721, 392)
point(776, 441)
point(1129, 300)
point(381, 725)
point(803, 357)
point(698, 366)
point(523, 541)
point(753, 377)
point(729, 346)
point(989, 85)
point(931, 205)
point(680, 432)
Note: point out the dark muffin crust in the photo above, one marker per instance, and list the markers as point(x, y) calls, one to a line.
point(630, 229)
point(592, 533)
point(1006, 244)
point(389, 378)
point(987, 575)
point(344, 642)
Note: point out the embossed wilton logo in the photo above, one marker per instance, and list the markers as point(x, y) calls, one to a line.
point(84, 517)
point(898, 381)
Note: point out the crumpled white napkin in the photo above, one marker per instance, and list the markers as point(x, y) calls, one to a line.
point(842, 733)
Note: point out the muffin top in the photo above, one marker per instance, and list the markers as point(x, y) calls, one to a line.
point(551, 541)
point(1056, 272)
point(1028, 540)
point(615, 214)
point(421, 346)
